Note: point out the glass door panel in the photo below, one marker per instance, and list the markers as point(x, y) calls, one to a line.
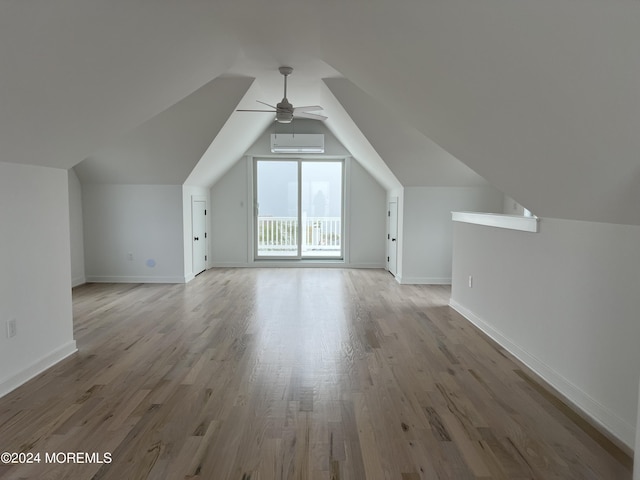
point(277, 227)
point(321, 232)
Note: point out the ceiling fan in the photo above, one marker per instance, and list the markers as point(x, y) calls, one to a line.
point(285, 112)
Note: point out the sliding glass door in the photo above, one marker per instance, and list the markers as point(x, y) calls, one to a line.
point(277, 208)
point(299, 209)
point(321, 209)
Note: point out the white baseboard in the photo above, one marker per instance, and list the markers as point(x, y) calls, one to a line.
point(133, 279)
point(601, 415)
point(296, 264)
point(229, 265)
point(423, 281)
point(299, 264)
point(366, 265)
point(76, 282)
point(39, 366)
point(188, 278)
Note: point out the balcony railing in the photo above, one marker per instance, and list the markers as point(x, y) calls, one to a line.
point(278, 236)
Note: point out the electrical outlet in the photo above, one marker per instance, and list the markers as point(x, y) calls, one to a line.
point(12, 329)
point(470, 281)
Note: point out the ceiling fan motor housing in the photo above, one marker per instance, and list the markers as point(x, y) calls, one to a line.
point(284, 111)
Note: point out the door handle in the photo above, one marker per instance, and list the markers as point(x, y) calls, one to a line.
point(196, 238)
point(393, 239)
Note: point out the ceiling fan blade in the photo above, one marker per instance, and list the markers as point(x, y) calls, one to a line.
point(314, 116)
point(309, 108)
point(268, 111)
point(266, 104)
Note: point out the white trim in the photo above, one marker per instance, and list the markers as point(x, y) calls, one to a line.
point(23, 376)
point(296, 264)
point(511, 222)
point(199, 198)
point(251, 209)
point(367, 265)
point(390, 200)
point(188, 278)
point(303, 263)
point(134, 279)
point(423, 280)
point(76, 282)
point(346, 209)
point(606, 419)
point(253, 214)
point(303, 156)
point(230, 265)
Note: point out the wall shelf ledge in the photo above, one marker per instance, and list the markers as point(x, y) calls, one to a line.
point(511, 222)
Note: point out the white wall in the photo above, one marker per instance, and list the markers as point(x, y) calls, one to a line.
point(144, 220)
point(188, 193)
point(35, 272)
point(231, 205)
point(565, 301)
point(511, 207)
point(427, 233)
point(367, 216)
point(231, 216)
point(76, 229)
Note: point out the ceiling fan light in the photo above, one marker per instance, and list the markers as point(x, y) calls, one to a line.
point(284, 116)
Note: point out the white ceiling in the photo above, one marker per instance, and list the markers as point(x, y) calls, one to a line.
point(414, 159)
point(539, 98)
point(165, 149)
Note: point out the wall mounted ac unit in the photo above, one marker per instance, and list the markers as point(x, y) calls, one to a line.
point(297, 143)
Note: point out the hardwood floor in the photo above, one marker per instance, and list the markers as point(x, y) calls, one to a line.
point(260, 374)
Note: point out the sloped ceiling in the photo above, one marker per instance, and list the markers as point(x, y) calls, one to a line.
point(539, 98)
point(165, 149)
point(413, 158)
point(231, 142)
point(78, 74)
point(345, 130)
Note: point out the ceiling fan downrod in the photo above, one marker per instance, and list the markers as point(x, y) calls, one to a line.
point(286, 71)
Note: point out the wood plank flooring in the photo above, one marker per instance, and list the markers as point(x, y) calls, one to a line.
point(261, 374)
